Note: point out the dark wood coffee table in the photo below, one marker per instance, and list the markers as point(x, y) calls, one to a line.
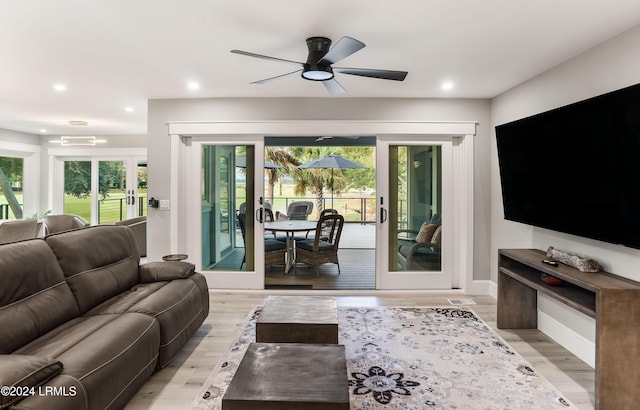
point(289, 376)
point(298, 319)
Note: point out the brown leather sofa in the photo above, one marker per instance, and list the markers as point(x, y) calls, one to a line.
point(83, 325)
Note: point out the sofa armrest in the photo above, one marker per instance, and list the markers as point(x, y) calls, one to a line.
point(24, 374)
point(162, 271)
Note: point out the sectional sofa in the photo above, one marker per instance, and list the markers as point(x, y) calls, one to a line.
point(83, 325)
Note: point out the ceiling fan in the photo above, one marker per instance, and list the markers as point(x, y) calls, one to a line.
point(319, 63)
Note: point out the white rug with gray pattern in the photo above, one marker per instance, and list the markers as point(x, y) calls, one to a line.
point(416, 358)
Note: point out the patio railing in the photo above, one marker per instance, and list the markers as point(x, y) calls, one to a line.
point(354, 209)
point(113, 210)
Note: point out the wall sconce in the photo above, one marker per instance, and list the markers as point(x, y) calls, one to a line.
point(77, 141)
point(416, 164)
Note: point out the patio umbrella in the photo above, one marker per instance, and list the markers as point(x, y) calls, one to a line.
point(331, 161)
point(242, 163)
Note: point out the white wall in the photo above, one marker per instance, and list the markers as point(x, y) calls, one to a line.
point(610, 66)
point(243, 109)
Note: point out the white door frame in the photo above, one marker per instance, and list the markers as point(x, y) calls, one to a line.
point(462, 131)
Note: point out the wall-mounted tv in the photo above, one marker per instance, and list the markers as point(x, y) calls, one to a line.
point(576, 169)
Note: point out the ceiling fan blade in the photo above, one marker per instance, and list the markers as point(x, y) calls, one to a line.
point(282, 60)
point(368, 72)
point(268, 80)
point(334, 87)
point(343, 49)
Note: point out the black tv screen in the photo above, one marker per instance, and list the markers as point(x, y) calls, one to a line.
point(576, 169)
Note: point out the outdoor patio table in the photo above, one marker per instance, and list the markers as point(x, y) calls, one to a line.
point(290, 227)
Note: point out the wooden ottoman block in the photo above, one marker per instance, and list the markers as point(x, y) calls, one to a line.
point(289, 376)
point(298, 319)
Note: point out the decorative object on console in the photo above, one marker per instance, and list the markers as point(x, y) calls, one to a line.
point(582, 263)
point(551, 280)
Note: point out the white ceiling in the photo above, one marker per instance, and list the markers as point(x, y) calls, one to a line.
point(113, 54)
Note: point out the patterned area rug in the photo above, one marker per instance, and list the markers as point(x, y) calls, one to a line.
point(416, 358)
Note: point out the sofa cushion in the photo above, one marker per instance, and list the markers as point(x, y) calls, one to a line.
point(26, 373)
point(106, 359)
point(32, 284)
point(99, 262)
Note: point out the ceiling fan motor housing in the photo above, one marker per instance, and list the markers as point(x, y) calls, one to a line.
point(318, 47)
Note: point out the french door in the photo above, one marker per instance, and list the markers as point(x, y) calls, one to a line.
point(415, 234)
point(101, 189)
point(225, 225)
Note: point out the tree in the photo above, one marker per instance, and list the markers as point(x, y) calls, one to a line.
point(13, 169)
point(77, 177)
point(283, 158)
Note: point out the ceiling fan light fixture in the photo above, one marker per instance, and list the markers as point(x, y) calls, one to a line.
point(316, 73)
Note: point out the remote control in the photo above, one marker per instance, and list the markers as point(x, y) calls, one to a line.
point(550, 262)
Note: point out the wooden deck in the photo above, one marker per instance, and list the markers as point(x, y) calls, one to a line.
point(357, 268)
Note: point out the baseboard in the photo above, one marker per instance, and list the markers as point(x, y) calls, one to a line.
point(574, 342)
point(478, 287)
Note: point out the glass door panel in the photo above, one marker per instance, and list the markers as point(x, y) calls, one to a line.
point(112, 191)
point(415, 197)
point(140, 203)
point(77, 189)
point(227, 208)
point(11, 187)
point(415, 214)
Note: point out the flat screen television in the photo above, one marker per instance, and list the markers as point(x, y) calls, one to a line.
point(576, 169)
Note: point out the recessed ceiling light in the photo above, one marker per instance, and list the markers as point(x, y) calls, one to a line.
point(447, 85)
point(192, 85)
point(78, 123)
point(128, 109)
point(43, 130)
point(60, 87)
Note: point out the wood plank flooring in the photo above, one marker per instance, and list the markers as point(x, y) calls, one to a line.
point(175, 386)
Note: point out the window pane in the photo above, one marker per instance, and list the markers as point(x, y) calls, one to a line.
point(416, 208)
point(77, 189)
point(11, 184)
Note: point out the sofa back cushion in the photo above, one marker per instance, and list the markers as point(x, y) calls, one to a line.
point(99, 262)
point(34, 296)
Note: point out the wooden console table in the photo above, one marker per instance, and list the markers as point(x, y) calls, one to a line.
point(612, 300)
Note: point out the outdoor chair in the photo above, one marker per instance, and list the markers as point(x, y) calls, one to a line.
point(63, 222)
point(315, 252)
point(327, 228)
point(425, 253)
point(298, 211)
point(18, 230)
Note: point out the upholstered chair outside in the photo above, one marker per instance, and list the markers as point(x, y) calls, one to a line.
point(63, 222)
point(315, 252)
point(299, 211)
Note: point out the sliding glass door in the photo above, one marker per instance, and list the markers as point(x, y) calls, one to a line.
point(227, 222)
point(415, 204)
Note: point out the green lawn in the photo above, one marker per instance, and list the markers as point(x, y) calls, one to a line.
point(109, 209)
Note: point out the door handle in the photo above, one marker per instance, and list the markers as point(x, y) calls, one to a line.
point(259, 215)
point(383, 215)
point(383, 211)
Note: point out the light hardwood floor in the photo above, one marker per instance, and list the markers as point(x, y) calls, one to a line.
point(175, 386)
